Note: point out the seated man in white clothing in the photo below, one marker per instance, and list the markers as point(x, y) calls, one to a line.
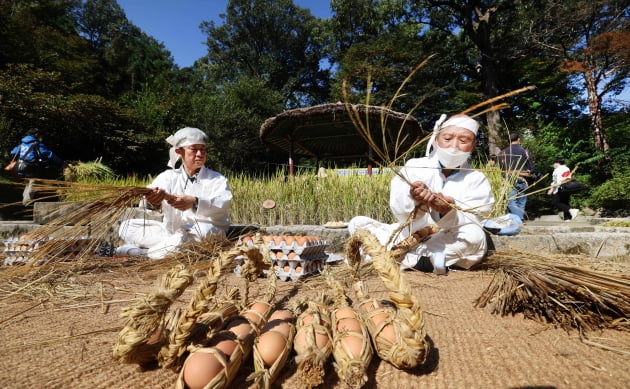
point(446, 191)
point(199, 203)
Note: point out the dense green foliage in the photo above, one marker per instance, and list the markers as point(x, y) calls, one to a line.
point(104, 89)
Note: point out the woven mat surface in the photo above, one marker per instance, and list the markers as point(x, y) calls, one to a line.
point(60, 333)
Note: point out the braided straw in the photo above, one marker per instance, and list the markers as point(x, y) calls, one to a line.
point(313, 322)
point(145, 319)
point(171, 355)
point(406, 345)
point(351, 369)
point(255, 319)
point(264, 376)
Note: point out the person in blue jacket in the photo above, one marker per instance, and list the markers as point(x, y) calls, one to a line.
point(34, 160)
point(31, 151)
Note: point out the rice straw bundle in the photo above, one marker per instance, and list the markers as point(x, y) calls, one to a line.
point(350, 337)
point(565, 295)
point(144, 332)
point(264, 375)
point(313, 340)
point(404, 344)
point(230, 346)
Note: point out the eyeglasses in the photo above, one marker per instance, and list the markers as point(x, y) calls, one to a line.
point(196, 150)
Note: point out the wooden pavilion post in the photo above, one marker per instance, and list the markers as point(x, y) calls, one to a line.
point(369, 166)
point(291, 165)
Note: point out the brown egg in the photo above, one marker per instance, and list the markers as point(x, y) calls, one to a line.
point(369, 305)
point(277, 240)
point(288, 240)
point(246, 239)
point(354, 344)
point(280, 254)
point(287, 268)
point(260, 307)
point(349, 324)
point(240, 327)
point(276, 266)
point(281, 314)
point(155, 336)
point(226, 346)
point(388, 333)
point(306, 319)
point(345, 312)
point(270, 345)
point(378, 318)
point(291, 255)
point(298, 269)
point(253, 317)
point(266, 239)
point(277, 325)
point(321, 340)
point(199, 369)
point(300, 240)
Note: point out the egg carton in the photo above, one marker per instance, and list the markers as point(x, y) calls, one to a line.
point(287, 269)
point(290, 270)
point(289, 243)
point(19, 251)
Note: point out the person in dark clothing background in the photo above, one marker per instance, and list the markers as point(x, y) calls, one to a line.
point(33, 158)
point(514, 159)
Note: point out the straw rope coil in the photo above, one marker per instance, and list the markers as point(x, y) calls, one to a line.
point(404, 344)
point(145, 318)
point(347, 340)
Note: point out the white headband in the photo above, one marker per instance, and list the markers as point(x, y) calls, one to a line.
point(186, 136)
point(459, 121)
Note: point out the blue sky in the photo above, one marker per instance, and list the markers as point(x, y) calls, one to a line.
point(175, 23)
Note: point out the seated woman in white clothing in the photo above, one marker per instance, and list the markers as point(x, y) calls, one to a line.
point(448, 192)
point(200, 204)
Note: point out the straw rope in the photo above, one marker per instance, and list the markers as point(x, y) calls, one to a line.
point(351, 369)
point(202, 301)
point(408, 346)
point(145, 318)
point(313, 323)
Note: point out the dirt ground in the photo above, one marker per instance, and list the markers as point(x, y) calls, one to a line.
point(59, 326)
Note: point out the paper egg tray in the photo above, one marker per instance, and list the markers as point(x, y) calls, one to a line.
point(289, 269)
point(19, 251)
point(278, 243)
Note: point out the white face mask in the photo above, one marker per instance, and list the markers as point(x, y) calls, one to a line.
point(451, 158)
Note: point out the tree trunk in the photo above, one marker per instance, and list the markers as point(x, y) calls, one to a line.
point(595, 113)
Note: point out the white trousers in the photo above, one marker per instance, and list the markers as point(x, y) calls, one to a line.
point(463, 246)
point(152, 234)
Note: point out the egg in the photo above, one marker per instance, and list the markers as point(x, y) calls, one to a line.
point(226, 346)
point(277, 240)
point(345, 312)
point(253, 317)
point(288, 240)
point(155, 336)
point(260, 307)
point(321, 340)
point(349, 324)
point(266, 239)
point(240, 327)
point(270, 345)
point(379, 317)
point(199, 369)
point(300, 240)
point(277, 325)
point(298, 269)
point(388, 333)
point(291, 255)
point(369, 305)
point(306, 319)
point(287, 268)
point(353, 345)
point(279, 255)
point(281, 314)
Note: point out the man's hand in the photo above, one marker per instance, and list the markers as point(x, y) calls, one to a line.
point(424, 196)
point(183, 202)
point(156, 196)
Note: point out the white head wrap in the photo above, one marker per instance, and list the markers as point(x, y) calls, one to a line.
point(459, 121)
point(186, 136)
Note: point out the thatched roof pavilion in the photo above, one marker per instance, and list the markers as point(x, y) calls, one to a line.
point(327, 132)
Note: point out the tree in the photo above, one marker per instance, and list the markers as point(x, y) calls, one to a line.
point(594, 44)
point(269, 40)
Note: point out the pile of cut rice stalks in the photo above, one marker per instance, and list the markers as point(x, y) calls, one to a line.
point(569, 296)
